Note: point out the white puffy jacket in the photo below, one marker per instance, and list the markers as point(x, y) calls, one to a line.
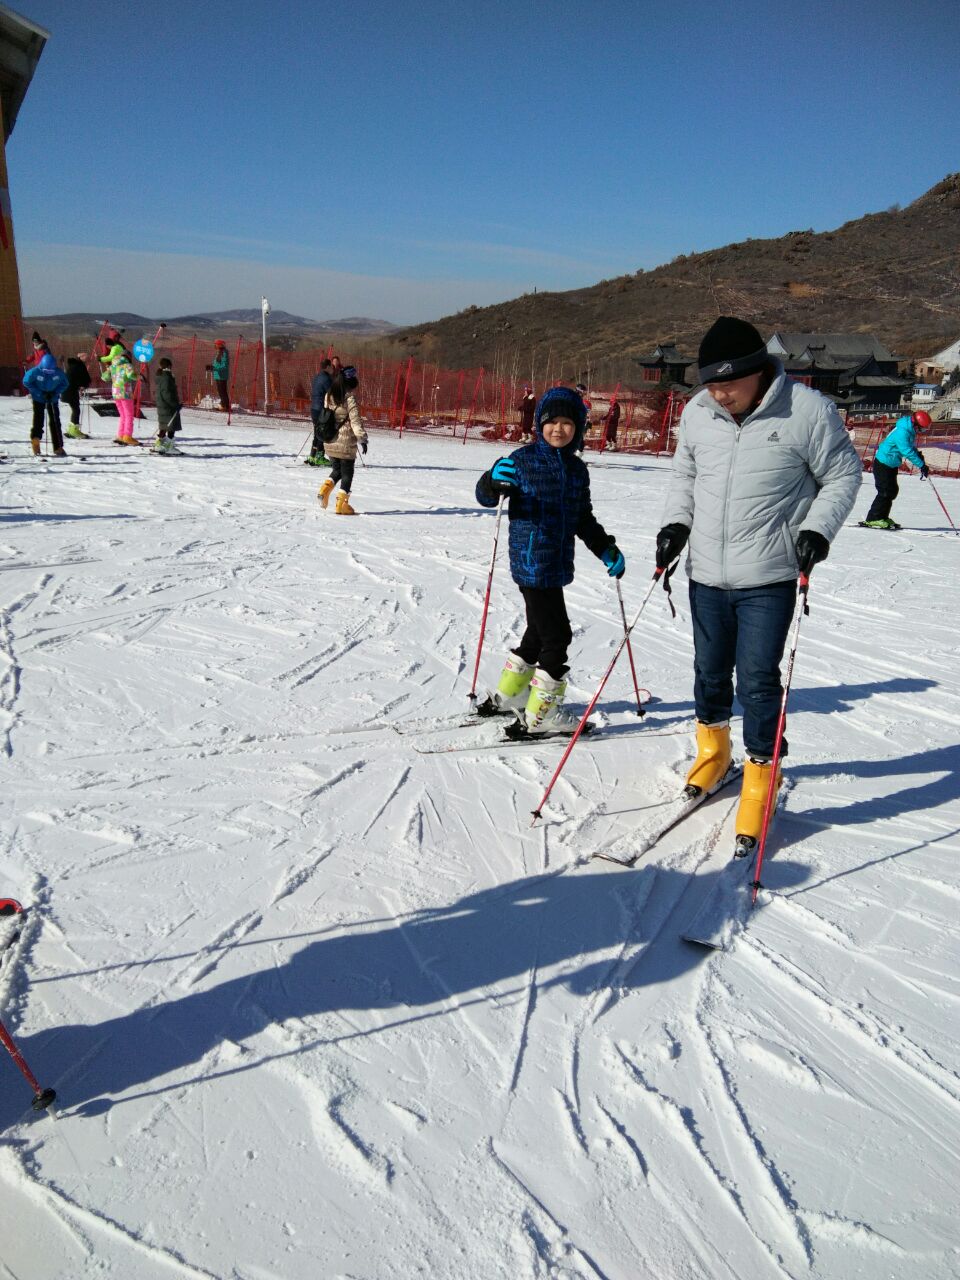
point(746, 491)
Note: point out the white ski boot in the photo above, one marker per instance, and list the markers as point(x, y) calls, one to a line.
point(544, 713)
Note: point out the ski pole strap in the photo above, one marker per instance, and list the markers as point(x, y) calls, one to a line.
point(666, 575)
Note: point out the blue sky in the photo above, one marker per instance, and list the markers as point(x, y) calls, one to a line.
point(405, 162)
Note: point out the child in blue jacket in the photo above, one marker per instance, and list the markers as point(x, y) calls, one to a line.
point(549, 505)
point(900, 445)
point(45, 382)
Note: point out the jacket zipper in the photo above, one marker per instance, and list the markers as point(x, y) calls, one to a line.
point(726, 504)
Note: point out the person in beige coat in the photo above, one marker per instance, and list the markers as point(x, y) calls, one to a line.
point(342, 449)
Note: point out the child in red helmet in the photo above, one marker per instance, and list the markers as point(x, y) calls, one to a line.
point(897, 447)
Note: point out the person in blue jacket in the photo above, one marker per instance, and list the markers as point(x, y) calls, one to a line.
point(899, 446)
point(548, 488)
point(322, 381)
point(45, 382)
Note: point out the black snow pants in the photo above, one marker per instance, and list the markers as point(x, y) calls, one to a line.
point(547, 637)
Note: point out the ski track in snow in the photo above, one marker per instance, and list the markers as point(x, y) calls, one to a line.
point(388, 1026)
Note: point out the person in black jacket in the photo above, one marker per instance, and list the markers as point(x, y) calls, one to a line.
point(78, 377)
point(321, 384)
point(168, 407)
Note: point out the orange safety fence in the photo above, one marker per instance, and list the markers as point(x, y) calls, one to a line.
point(410, 396)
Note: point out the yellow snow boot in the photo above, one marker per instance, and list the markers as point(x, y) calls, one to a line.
point(343, 505)
point(324, 492)
point(753, 799)
point(713, 758)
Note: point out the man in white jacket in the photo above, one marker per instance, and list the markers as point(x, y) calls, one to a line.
point(763, 478)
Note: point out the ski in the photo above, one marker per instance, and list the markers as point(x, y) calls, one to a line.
point(167, 453)
point(728, 902)
point(436, 724)
point(523, 740)
point(681, 808)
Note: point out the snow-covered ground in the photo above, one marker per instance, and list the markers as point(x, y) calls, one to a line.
point(318, 1005)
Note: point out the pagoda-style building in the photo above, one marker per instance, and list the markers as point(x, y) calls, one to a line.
point(853, 369)
point(665, 366)
point(21, 44)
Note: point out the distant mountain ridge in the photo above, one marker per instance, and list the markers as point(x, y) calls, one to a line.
point(250, 317)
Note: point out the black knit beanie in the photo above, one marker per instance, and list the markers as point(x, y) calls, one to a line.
point(731, 349)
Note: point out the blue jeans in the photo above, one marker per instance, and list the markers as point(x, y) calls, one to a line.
point(741, 630)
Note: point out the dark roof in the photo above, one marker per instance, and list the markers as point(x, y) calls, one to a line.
point(21, 44)
point(664, 353)
point(828, 350)
point(869, 374)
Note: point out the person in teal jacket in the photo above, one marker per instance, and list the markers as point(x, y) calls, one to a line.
point(897, 447)
point(221, 373)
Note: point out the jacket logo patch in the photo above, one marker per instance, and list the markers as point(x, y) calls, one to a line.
point(774, 436)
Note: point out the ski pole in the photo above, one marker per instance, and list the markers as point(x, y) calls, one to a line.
point(472, 695)
point(42, 1098)
point(626, 636)
point(302, 447)
point(778, 740)
point(537, 813)
point(940, 500)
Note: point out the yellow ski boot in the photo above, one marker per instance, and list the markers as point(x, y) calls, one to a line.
point(714, 757)
point(343, 505)
point(753, 800)
point(324, 492)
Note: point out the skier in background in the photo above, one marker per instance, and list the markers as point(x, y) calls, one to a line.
point(78, 377)
point(167, 399)
point(318, 394)
point(221, 373)
point(40, 347)
point(900, 445)
point(45, 381)
point(549, 491)
point(526, 408)
point(764, 476)
point(123, 383)
point(350, 434)
point(612, 423)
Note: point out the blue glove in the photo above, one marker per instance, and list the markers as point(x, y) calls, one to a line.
point(504, 474)
point(613, 559)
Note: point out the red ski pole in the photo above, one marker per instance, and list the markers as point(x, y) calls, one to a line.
point(472, 695)
point(626, 636)
point(42, 1098)
point(537, 813)
point(771, 800)
point(940, 500)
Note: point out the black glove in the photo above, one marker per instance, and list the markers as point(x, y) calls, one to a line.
point(924, 471)
point(671, 540)
point(363, 447)
point(812, 547)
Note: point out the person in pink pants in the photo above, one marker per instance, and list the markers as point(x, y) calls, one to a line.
point(124, 381)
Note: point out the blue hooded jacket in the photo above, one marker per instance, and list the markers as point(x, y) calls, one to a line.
point(46, 381)
point(900, 444)
point(550, 505)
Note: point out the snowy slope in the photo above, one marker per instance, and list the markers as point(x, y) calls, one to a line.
point(317, 1005)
